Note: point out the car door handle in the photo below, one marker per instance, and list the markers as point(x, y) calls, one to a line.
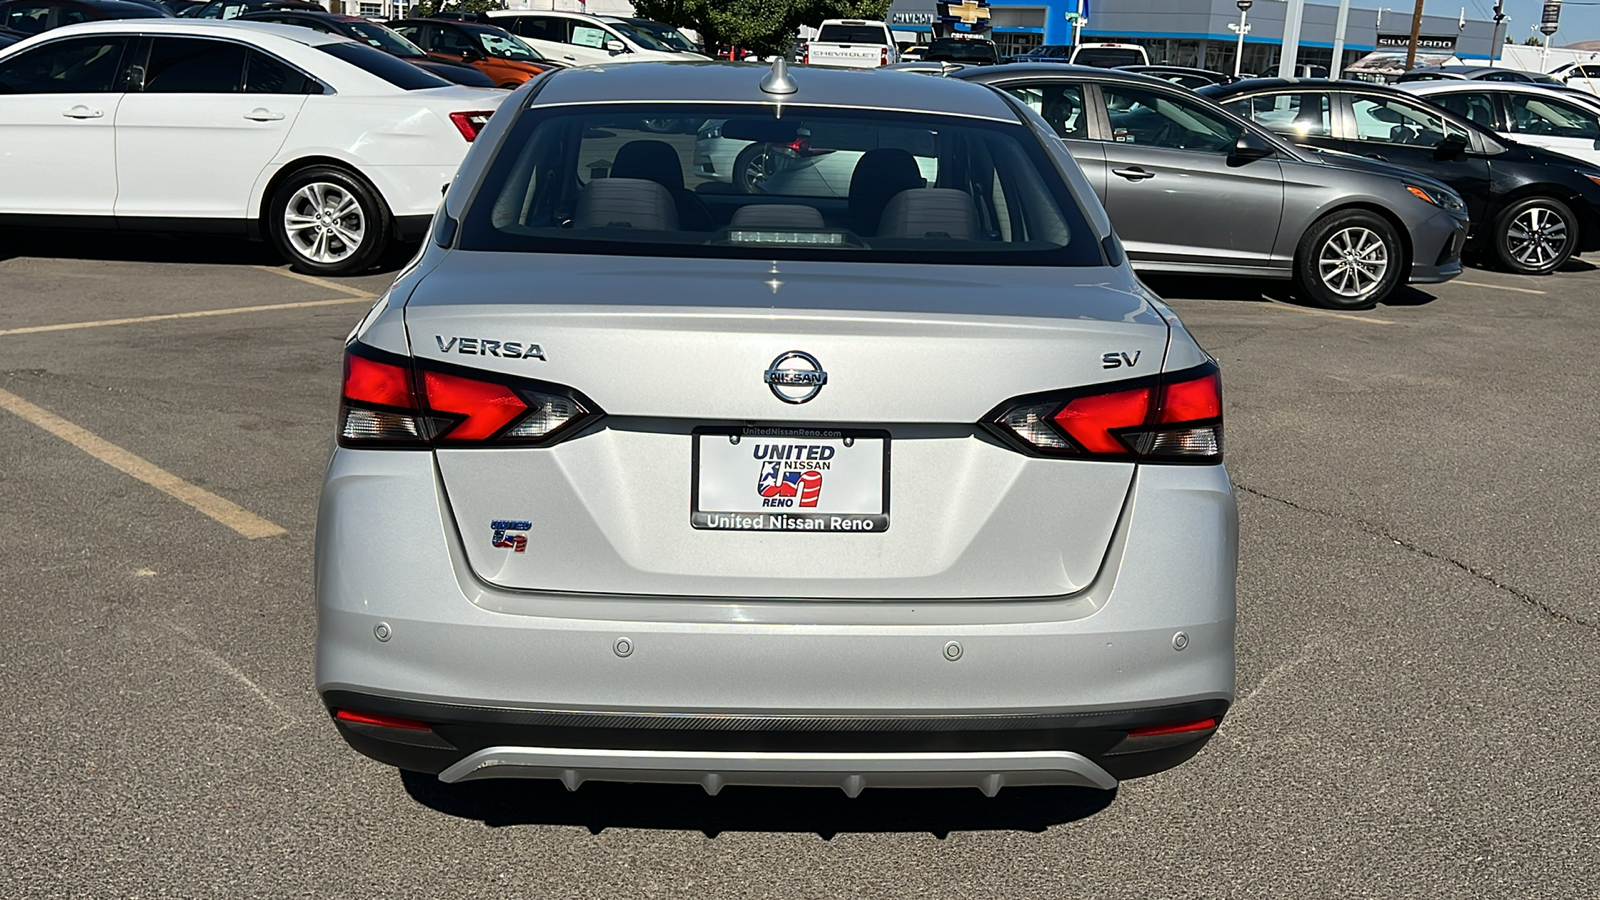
point(263, 115)
point(1133, 173)
point(82, 112)
point(570, 58)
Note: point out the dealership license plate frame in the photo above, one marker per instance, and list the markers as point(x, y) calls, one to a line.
point(707, 520)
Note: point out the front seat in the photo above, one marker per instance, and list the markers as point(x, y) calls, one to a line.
point(657, 161)
point(879, 175)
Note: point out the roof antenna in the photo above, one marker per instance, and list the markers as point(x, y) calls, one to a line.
point(778, 81)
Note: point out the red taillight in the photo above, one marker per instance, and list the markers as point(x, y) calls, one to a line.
point(361, 718)
point(883, 57)
point(1169, 418)
point(805, 55)
point(389, 401)
point(484, 408)
point(1153, 730)
point(470, 124)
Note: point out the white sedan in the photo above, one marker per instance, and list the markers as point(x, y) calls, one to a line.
point(1565, 121)
point(329, 147)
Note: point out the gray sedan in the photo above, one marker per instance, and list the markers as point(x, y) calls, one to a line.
point(915, 486)
point(1193, 188)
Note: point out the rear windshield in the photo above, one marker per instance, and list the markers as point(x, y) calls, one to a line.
point(1104, 58)
point(394, 70)
point(852, 34)
point(962, 50)
point(732, 181)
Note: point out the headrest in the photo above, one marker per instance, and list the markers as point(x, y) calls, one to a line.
point(879, 175)
point(777, 215)
point(942, 213)
point(651, 160)
point(625, 203)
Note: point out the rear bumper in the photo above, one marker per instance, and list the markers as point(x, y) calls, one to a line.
point(544, 675)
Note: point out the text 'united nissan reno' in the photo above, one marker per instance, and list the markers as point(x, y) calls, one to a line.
point(913, 486)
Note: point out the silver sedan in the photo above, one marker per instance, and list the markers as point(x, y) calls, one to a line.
point(913, 486)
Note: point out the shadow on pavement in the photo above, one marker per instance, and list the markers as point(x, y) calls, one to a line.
point(140, 246)
point(1260, 290)
point(822, 811)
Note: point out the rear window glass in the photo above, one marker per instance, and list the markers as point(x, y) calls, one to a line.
point(852, 34)
point(737, 182)
point(394, 70)
point(1104, 58)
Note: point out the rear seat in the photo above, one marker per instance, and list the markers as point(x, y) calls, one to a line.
point(943, 213)
point(626, 203)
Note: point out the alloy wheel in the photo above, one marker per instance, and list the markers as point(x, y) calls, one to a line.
point(1537, 237)
point(1353, 262)
point(324, 222)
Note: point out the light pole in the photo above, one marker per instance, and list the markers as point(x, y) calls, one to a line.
point(1338, 40)
point(1243, 29)
point(1291, 38)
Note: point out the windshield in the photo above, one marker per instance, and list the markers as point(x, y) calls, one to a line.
point(397, 72)
point(666, 34)
point(852, 34)
point(813, 184)
point(504, 45)
point(644, 37)
point(962, 50)
point(384, 39)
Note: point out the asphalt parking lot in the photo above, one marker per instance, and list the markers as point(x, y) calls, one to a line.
point(1419, 641)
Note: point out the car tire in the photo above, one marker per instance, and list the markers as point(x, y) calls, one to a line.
point(1535, 236)
point(326, 221)
point(1349, 260)
point(753, 166)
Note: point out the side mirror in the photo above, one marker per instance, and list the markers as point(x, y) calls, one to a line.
point(472, 54)
point(1452, 146)
point(614, 47)
point(1251, 147)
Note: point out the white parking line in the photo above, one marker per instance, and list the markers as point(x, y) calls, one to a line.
point(1499, 287)
point(197, 314)
point(227, 512)
point(1369, 320)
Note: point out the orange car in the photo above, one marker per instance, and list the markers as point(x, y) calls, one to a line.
point(493, 51)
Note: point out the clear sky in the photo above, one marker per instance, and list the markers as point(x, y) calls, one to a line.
point(1580, 21)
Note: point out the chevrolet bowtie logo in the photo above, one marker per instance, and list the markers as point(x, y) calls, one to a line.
point(968, 11)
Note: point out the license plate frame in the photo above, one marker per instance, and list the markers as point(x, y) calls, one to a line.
point(792, 519)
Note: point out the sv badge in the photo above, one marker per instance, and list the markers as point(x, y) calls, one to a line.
point(1118, 360)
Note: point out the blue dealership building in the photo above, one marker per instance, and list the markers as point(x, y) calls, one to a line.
point(1196, 32)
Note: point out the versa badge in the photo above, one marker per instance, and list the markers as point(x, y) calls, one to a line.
point(516, 543)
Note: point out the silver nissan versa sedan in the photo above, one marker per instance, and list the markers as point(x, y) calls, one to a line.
point(914, 487)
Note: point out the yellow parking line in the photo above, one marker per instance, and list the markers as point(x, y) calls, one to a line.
point(1499, 287)
point(227, 311)
point(225, 511)
point(319, 282)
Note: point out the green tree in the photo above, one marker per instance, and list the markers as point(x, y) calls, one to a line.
point(1533, 42)
point(766, 27)
point(429, 7)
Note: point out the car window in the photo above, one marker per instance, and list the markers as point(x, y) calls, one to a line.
point(269, 75)
point(1153, 119)
point(452, 41)
point(542, 28)
point(1059, 104)
point(382, 38)
point(837, 184)
point(1108, 57)
point(90, 65)
point(1307, 114)
point(851, 34)
point(410, 32)
point(1506, 76)
point(392, 69)
point(589, 36)
point(194, 66)
point(506, 46)
point(1553, 118)
point(643, 38)
point(27, 19)
point(1386, 120)
point(1473, 106)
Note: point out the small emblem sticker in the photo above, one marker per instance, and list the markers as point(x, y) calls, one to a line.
point(516, 543)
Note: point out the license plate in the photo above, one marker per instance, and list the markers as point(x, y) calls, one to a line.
point(790, 479)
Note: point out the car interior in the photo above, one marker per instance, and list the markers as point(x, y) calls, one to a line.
point(611, 179)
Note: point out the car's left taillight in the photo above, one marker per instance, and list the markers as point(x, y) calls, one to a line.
point(393, 402)
point(470, 124)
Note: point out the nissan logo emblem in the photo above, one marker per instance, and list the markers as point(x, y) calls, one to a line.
point(795, 377)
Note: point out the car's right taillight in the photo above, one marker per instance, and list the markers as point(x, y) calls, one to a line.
point(470, 124)
point(395, 402)
point(1170, 418)
point(805, 55)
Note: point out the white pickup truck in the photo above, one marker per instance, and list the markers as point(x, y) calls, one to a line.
point(852, 44)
